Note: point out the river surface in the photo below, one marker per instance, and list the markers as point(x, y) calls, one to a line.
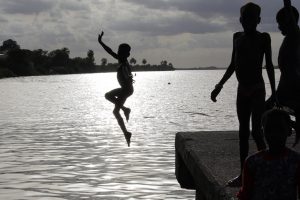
point(59, 139)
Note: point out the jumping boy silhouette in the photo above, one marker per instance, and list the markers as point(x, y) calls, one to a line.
point(288, 90)
point(272, 173)
point(118, 96)
point(249, 49)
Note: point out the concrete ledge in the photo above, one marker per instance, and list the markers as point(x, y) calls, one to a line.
point(206, 160)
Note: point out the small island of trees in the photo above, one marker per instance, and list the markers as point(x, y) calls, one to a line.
point(15, 61)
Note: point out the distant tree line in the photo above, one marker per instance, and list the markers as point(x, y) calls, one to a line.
point(15, 61)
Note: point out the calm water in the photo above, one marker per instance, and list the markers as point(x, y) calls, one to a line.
point(59, 139)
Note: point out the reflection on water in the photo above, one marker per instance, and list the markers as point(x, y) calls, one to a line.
point(59, 139)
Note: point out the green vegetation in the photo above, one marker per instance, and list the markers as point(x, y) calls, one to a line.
point(15, 61)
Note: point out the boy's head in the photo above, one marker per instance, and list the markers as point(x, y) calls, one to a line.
point(276, 126)
point(283, 19)
point(124, 51)
point(250, 17)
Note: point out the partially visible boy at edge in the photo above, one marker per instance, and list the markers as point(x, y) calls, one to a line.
point(249, 49)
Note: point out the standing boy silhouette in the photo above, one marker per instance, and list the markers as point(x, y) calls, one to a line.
point(288, 91)
point(118, 96)
point(249, 49)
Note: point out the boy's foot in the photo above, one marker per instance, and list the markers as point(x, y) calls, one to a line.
point(127, 113)
point(127, 137)
point(235, 182)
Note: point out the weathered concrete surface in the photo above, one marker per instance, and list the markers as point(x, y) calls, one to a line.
point(205, 161)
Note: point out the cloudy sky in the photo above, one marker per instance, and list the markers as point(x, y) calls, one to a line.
point(188, 33)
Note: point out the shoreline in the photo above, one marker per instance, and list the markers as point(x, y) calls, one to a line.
point(5, 73)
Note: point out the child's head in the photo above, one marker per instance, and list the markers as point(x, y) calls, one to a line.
point(124, 51)
point(250, 17)
point(283, 19)
point(276, 126)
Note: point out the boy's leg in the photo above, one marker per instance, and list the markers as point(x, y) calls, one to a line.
point(126, 92)
point(121, 124)
point(258, 108)
point(244, 113)
point(113, 95)
point(119, 118)
point(126, 112)
point(121, 101)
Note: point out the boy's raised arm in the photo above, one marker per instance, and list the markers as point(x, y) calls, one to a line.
point(106, 48)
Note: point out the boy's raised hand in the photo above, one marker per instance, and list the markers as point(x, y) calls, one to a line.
point(100, 37)
point(287, 3)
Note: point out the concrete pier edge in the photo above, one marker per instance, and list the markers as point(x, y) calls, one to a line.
point(192, 174)
point(206, 160)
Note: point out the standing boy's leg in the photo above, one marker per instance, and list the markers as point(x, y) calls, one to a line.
point(258, 108)
point(244, 113)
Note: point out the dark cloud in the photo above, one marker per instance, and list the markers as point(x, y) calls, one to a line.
point(229, 10)
point(168, 26)
point(152, 27)
point(199, 7)
point(26, 7)
point(3, 19)
point(29, 7)
point(74, 6)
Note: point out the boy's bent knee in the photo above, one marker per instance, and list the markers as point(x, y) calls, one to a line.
point(116, 112)
point(107, 96)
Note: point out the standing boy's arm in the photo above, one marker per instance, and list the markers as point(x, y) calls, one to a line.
point(293, 22)
point(229, 71)
point(226, 76)
point(106, 48)
point(231, 68)
point(269, 63)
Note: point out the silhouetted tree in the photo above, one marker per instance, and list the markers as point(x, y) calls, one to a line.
point(59, 57)
point(144, 61)
point(103, 61)
point(164, 63)
point(79, 65)
point(40, 60)
point(132, 61)
point(20, 62)
point(8, 45)
point(90, 57)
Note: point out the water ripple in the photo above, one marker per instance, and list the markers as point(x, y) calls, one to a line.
point(59, 139)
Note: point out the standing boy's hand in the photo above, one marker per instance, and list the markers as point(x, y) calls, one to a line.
point(215, 93)
point(100, 37)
